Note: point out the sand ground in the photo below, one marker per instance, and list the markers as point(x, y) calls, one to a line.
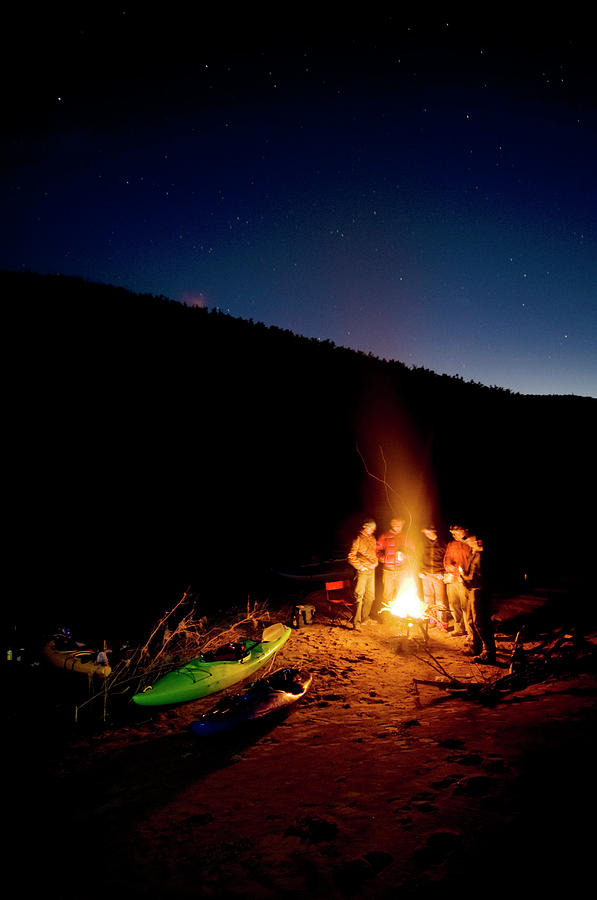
point(369, 787)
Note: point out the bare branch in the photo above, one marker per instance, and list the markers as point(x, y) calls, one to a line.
point(387, 486)
point(147, 663)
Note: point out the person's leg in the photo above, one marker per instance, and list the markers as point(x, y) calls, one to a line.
point(484, 625)
point(429, 597)
point(359, 592)
point(454, 599)
point(470, 609)
point(368, 596)
point(441, 601)
point(390, 586)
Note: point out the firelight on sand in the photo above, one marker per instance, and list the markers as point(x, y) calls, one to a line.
point(407, 604)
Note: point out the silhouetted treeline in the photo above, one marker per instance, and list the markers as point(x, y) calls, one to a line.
point(152, 445)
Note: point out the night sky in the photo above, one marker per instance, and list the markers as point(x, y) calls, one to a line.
point(422, 190)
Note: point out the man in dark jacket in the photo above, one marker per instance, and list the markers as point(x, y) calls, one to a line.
point(432, 577)
point(479, 625)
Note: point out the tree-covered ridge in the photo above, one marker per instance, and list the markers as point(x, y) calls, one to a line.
point(177, 443)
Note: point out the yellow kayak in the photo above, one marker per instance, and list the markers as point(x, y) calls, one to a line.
point(84, 661)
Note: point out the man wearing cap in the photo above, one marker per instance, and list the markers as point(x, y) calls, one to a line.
point(395, 553)
point(456, 560)
point(363, 558)
point(432, 577)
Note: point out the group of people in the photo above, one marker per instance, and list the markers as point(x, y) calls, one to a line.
point(450, 573)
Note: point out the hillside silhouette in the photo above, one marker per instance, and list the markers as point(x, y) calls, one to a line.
point(153, 445)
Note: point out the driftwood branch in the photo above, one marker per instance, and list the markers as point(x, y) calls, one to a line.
point(386, 484)
point(553, 657)
point(168, 648)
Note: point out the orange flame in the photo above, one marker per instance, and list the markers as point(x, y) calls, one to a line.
point(407, 603)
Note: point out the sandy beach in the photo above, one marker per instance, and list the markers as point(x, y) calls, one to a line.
point(371, 786)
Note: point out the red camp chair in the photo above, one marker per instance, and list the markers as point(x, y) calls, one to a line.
point(339, 600)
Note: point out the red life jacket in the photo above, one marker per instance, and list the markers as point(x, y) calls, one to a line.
point(393, 549)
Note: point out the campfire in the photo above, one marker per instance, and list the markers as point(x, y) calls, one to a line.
point(408, 609)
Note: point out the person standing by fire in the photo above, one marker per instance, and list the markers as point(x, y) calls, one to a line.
point(363, 558)
point(396, 554)
point(432, 577)
point(483, 638)
point(456, 560)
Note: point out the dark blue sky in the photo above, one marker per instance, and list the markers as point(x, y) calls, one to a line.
point(425, 191)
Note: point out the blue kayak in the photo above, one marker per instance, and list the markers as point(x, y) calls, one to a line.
point(269, 695)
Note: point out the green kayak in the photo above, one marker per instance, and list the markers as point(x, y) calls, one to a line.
point(208, 673)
